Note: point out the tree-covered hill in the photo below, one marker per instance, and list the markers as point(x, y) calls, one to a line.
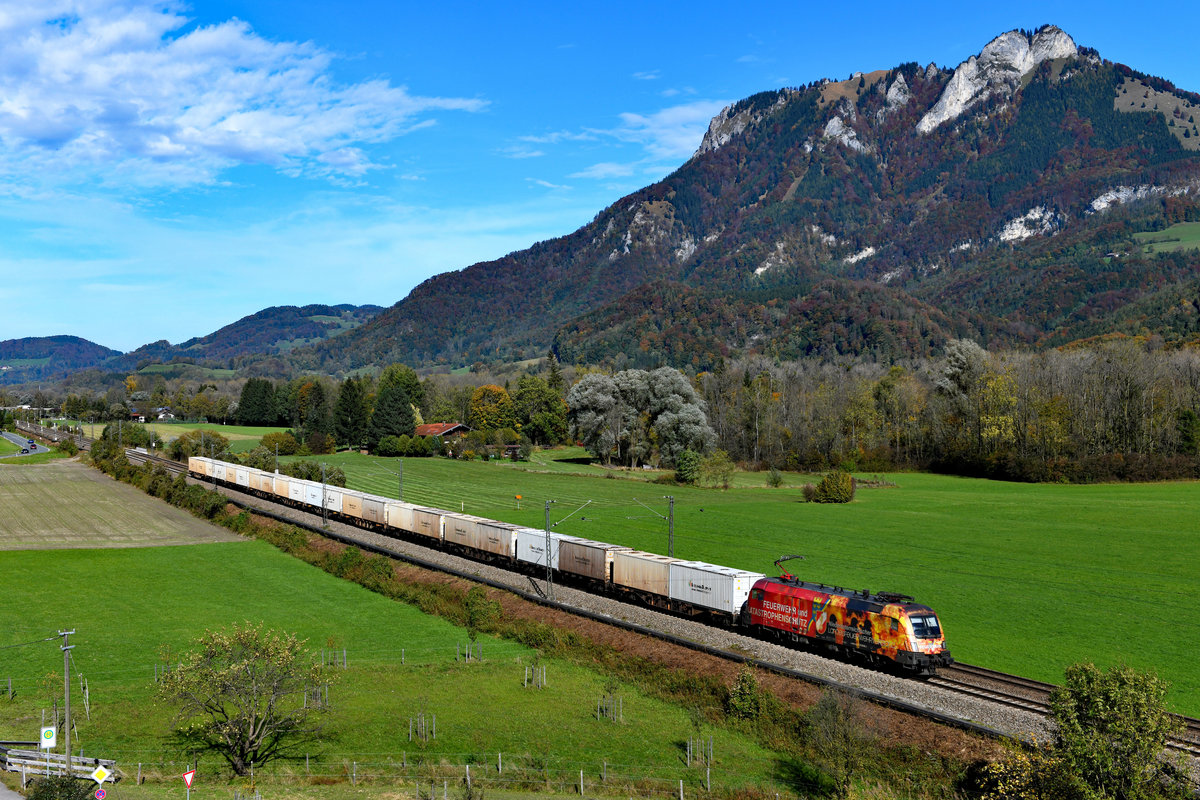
point(46, 357)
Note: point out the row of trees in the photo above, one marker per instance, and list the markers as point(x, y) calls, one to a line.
point(1123, 409)
point(365, 411)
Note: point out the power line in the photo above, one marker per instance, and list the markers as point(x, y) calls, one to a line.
point(27, 644)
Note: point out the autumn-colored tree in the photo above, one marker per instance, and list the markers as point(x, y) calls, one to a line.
point(492, 408)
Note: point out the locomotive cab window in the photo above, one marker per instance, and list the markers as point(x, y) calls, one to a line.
point(757, 594)
point(926, 626)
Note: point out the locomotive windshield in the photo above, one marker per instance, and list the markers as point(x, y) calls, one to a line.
point(926, 626)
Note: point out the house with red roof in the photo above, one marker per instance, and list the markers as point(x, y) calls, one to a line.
point(442, 429)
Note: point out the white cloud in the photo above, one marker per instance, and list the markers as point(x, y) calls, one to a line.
point(557, 137)
point(522, 152)
point(604, 171)
point(652, 75)
point(546, 184)
point(673, 132)
point(125, 92)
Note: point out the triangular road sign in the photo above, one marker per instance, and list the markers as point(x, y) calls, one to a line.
point(188, 777)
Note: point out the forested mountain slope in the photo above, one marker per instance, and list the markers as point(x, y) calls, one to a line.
point(278, 329)
point(876, 216)
point(47, 357)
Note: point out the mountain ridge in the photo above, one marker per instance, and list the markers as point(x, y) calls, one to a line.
point(832, 184)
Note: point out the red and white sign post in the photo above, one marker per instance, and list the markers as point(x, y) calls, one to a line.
point(188, 777)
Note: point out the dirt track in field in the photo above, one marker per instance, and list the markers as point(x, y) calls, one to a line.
point(65, 504)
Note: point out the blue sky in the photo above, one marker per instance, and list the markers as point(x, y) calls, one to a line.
point(167, 168)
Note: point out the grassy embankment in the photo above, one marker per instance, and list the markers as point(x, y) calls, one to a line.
point(133, 609)
point(1027, 578)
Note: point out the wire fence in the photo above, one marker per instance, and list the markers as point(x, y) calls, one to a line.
point(433, 774)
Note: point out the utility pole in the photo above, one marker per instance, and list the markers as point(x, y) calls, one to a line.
point(324, 500)
point(66, 648)
point(670, 525)
point(549, 572)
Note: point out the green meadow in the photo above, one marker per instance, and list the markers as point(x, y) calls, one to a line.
point(241, 438)
point(1180, 236)
point(1027, 578)
point(134, 610)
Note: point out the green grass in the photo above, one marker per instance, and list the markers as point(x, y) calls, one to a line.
point(1180, 236)
point(241, 437)
point(133, 609)
point(42, 456)
point(1027, 578)
point(7, 447)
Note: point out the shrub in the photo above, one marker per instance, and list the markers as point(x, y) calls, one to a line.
point(388, 447)
point(836, 487)
point(774, 478)
point(717, 469)
point(744, 700)
point(284, 439)
point(687, 466)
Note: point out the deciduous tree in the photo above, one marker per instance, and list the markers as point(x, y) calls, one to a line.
point(240, 694)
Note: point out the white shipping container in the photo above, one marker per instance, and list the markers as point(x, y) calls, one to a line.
point(218, 470)
point(711, 586)
point(643, 572)
point(241, 476)
point(531, 547)
point(298, 489)
point(314, 494)
point(333, 497)
point(399, 515)
point(198, 466)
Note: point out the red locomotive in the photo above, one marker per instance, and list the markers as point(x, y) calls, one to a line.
point(877, 628)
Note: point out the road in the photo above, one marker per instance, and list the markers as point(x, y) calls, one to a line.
point(23, 442)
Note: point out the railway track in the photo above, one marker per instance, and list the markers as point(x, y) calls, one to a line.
point(1034, 696)
point(1001, 688)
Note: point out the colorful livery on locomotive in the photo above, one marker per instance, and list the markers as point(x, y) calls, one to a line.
point(874, 627)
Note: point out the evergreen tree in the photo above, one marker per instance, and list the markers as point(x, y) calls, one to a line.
point(555, 380)
point(257, 403)
point(350, 414)
point(316, 411)
point(393, 415)
point(406, 377)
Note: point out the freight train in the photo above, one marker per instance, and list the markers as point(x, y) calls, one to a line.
point(879, 628)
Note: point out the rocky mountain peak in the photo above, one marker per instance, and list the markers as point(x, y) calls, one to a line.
point(997, 69)
point(732, 120)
